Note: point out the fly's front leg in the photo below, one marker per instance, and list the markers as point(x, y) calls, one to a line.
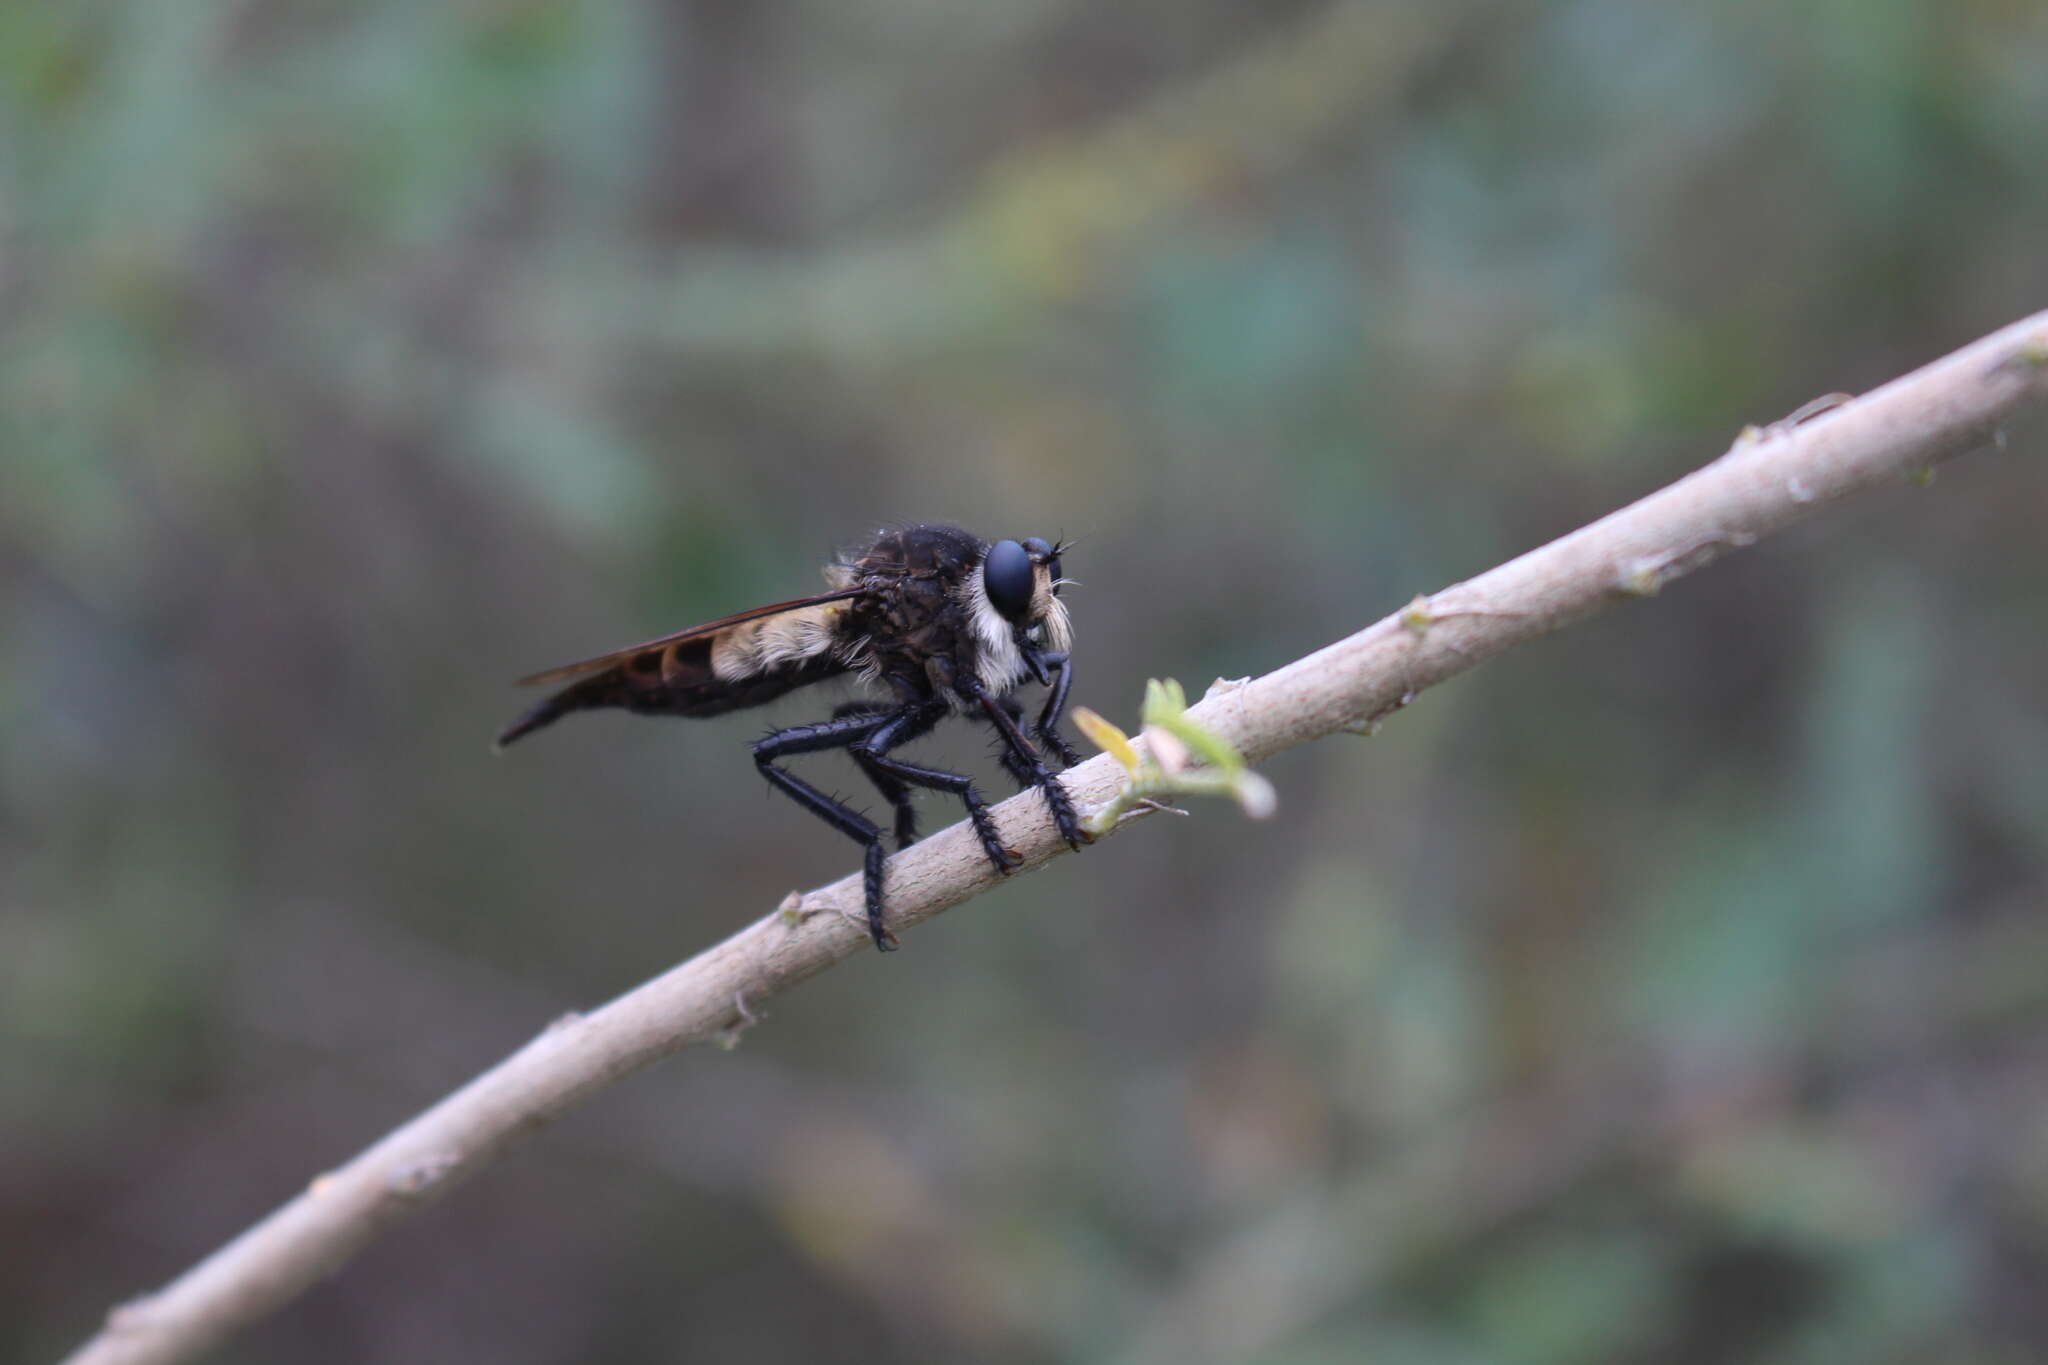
point(810, 739)
point(873, 754)
point(1024, 759)
point(1019, 771)
point(1048, 727)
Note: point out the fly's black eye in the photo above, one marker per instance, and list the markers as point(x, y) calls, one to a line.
point(1006, 576)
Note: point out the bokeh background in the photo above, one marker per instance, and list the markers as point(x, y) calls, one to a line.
point(1675, 989)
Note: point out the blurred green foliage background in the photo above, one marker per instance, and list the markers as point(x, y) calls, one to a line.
point(1671, 990)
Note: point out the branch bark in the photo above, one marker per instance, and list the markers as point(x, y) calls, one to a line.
point(1770, 477)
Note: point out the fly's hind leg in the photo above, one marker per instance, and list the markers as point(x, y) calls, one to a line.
point(837, 733)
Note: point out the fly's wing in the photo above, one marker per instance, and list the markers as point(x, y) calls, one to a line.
point(703, 632)
point(678, 674)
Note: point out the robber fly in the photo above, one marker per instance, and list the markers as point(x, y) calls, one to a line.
point(945, 624)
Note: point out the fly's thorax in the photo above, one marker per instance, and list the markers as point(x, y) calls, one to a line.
point(906, 629)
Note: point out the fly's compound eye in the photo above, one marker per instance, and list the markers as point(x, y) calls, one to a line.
point(1006, 576)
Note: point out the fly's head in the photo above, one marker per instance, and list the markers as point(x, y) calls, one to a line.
point(1020, 582)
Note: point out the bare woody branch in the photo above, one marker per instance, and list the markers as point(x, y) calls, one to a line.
point(1770, 476)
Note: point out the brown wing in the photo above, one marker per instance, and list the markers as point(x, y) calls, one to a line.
point(723, 623)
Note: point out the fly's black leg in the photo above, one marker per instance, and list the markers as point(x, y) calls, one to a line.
point(1019, 771)
point(1048, 727)
point(892, 790)
point(907, 725)
point(810, 739)
point(1029, 759)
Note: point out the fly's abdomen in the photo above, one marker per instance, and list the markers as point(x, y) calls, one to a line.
point(703, 677)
